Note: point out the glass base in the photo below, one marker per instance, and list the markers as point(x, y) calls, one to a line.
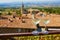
point(35, 32)
point(45, 32)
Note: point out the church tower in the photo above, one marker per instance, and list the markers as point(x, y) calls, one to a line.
point(22, 12)
point(22, 8)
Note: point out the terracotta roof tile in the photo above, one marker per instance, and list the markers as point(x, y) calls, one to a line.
point(17, 23)
point(54, 21)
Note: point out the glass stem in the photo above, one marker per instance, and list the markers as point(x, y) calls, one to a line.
point(45, 28)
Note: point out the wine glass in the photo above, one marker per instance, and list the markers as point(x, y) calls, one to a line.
point(46, 21)
point(35, 21)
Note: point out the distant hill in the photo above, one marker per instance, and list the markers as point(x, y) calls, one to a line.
point(18, 4)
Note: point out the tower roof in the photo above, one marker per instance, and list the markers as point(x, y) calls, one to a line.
point(22, 5)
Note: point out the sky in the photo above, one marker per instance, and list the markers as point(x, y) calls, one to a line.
point(9, 1)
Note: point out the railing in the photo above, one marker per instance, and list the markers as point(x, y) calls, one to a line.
point(52, 35)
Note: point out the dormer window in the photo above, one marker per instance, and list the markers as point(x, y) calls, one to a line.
point(13, 16)
point(10, 20)
point(23, 20)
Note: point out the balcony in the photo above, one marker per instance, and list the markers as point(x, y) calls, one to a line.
point(52, 35)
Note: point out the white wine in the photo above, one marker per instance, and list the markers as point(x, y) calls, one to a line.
point(35, 20)
point(46, 21)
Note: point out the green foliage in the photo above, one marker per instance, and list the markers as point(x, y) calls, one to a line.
point(40, 37)
point(18, 12)
point(9, 13)
point(0, 14)
point(54, 10)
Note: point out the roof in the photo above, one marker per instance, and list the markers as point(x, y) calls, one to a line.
point(54, 21)
point(17, 24)
point(33, 9)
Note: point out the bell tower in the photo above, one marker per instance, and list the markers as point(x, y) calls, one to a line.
point(22, 8)
point(22, 12)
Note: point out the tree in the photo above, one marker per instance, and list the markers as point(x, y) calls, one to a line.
point(0, 14)
point(9, 13)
